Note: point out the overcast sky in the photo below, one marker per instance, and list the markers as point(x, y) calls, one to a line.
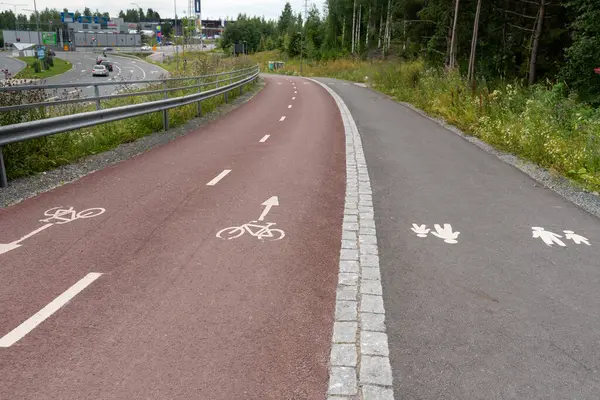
point(211, 9)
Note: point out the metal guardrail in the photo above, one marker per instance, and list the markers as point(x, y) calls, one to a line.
point(202, 81)
point(49, 126)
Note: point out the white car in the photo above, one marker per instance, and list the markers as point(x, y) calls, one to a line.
point(99, 70)
point(146, 48)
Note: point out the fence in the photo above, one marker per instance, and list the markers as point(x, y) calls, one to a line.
point(223, 83)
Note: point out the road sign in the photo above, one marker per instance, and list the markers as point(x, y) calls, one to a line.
point(49, 37)
point(41, 53)
point(197, 6)
point(67, 17)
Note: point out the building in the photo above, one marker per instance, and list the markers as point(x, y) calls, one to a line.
point(23, 50)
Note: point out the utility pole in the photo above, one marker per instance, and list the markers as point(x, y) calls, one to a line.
point(175, 37)
point(37, 20)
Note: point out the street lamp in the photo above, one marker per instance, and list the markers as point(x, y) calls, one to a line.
point(16, 17)
point(137, 5)
point(300, 52)
point(37, 21)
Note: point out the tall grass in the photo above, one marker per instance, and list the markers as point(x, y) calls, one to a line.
point(37, 155)
point(539, 123)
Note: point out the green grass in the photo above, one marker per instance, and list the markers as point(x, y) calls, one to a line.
point(539, 123)
point(60, 66)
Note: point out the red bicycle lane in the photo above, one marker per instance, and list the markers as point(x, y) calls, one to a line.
point(189, 315)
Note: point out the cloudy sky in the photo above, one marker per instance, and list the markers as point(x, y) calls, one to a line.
point(212, 9)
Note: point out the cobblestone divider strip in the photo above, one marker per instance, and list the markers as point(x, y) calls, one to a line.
point(359, 362)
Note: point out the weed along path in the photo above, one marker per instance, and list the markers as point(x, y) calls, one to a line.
point(489, 279)
point(203, 268)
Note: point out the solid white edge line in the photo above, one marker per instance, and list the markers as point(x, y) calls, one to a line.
point(217, 178)
point(371, 373)
point(20, 331)
point(264, 139)
point(282, 119)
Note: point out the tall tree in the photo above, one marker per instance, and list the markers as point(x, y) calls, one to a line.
point(286, 20)
point(471, 72)
point(454, 40)
point(584, 53)
point(539, 24)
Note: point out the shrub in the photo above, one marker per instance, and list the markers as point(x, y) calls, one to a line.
point(37, 67)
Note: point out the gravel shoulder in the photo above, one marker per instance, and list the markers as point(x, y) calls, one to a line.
point(27, 187)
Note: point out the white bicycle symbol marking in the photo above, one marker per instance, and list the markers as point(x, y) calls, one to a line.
point(59, 216)
point(259, 231)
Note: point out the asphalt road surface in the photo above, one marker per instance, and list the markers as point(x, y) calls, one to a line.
point(125, 69)
point(500, 314)
point(178, 312)
point(12, 64)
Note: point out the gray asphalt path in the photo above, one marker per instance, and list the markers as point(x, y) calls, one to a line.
point(500, 314)
point(125, 69)
point(12, 64)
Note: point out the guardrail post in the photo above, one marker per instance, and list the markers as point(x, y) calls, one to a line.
point(3, 179)
point(97, 94)
point(165, 112)
point(199, 113)
point(226, 94)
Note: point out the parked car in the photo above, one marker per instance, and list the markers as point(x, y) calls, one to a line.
point(146, 48)
point(99, 70)
point(109, 49)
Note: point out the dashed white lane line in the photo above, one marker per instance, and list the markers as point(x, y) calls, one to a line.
point(218, 177)
point(282, 119)
point(293, 98)
point(290, 106)
point(264, 139)
point(20, 331)
point(89, 87)
point(295, 92)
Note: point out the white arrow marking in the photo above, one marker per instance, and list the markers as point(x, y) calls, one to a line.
point(6, 247)
point(273, 201)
